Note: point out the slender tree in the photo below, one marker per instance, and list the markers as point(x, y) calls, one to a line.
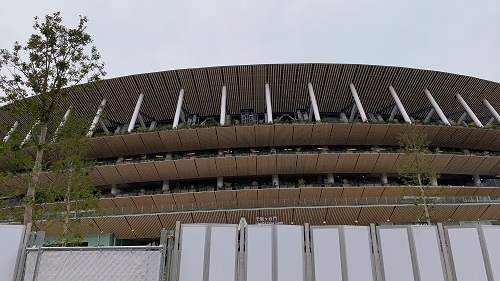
point(417, 168)
point(72, 185)
point(39, 76)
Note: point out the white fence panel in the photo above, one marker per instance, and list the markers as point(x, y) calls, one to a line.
point(492, 239)
point(427, 253)
point(192, 256)
point(290, 252)
point(358, 253)
point(326, 253)
point(466, 253)
point(259, 253)
point(396, 256)
point(223, 253)
point(11, 238)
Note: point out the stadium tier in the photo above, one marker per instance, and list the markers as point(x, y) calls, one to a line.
point(284, 143)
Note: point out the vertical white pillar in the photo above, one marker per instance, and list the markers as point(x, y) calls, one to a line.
point(165, 185)
point(477, 180)
point(330, 178)
point(220, 181)
point(469, 111)
point(429, 115)
point(137, 108)
point(114, 189)
point(383, 178)
point(63, 121)
point(437, 108)
point(358, 103)
point(434, 181)
point(492, 110)
point(314, 103)
point(276, 182)
point(97, 117)
point(223, 103)
point(12, 129)
point(269, 109)
point(399, 104)
point(178, 109)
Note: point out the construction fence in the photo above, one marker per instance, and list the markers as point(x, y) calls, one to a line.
point(94, 264)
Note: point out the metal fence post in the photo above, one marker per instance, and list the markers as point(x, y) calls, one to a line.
point(40, 236)
point(444, 250)
point(174, 267)
point(376, 254)
point(22, 256)
point(163, 243)
point(307, 238)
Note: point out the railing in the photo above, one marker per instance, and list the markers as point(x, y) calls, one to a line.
point(283, 203)
point(135, 159)
point(325, 120)
point(283, 185)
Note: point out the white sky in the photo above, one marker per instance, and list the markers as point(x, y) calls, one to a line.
point(152, 35)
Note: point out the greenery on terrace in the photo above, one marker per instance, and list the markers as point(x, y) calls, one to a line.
point(211, 122)
point(279, 150)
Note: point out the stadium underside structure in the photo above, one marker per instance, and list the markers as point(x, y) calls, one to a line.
point(297, 143)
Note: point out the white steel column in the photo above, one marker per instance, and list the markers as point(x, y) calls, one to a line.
point(462, 118)
point(358, 103)
point(429, 115)
point(141, 121)
point(393, 113)
point(114, 189)
point(268, 105)
point(492, 110)
point(436, 107)
point(490, 122)
point(383, 178)
point(314, 103)
point(220, 181)
point(276, 182)
point(330, 178)
point(103, 126)
point(223, 106)
point(63, 121)
point(433, 181)
point(477, 180)
point(354, 109)
point(97, 117)
point(28, 135)
point(131, 125)
point(469, 111)
point(12, 129)
point(399, 104)
point(165, 185)
point(178, 109)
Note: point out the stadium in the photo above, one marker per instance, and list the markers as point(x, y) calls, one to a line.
point(268, 148)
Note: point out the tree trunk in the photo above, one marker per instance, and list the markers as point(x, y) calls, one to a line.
point(424, 200)
point(67, 202)
point(35, 174)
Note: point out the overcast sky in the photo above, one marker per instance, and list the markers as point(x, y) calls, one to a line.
point(152, 35)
